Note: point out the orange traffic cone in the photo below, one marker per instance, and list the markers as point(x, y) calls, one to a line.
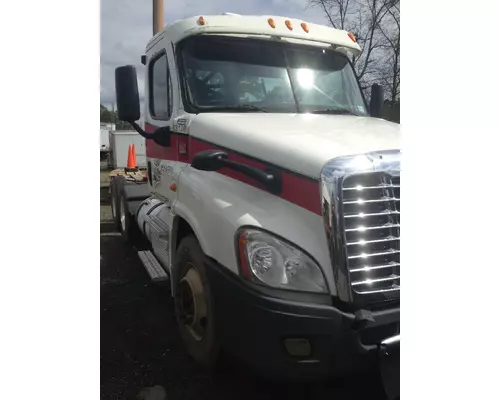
point(131, 161)
point(134, 159)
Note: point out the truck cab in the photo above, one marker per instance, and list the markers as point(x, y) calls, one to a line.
point(272, 202)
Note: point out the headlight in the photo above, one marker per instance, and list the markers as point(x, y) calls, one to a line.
point(269, 260)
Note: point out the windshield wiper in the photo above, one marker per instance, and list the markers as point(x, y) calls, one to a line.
point(239, 107)
point(333, 111)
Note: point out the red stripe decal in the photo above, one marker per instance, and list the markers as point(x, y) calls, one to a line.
point(297, 189)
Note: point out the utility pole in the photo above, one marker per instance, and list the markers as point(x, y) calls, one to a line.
point(158, 16)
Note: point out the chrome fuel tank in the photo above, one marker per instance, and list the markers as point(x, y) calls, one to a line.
point(153, 217)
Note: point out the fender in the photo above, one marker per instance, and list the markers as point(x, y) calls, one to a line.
point(216, 206)
point(181, 211)
point(184, 213)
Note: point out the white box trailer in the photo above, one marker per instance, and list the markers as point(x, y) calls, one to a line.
point(104, 143)
point(104, 140)
point(119, 142)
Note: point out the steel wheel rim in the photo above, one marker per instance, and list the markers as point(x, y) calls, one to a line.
point(192, 304)
point(113, 206)
point(122, 215)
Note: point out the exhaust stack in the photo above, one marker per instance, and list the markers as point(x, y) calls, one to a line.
point(158, 15)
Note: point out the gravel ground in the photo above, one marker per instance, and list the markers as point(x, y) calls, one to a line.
point(141, 348)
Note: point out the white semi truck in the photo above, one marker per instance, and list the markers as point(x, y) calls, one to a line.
point(272, 205)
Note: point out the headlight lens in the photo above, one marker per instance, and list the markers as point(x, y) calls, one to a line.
point(269, 260)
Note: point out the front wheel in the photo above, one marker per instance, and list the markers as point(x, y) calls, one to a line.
point(116, 187)
point(127, 223)
point(194, 305)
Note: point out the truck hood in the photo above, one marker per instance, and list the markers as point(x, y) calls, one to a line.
point(302, 143)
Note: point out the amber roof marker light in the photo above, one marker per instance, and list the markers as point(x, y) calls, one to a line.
point(201, 21)
point(289, 24)
point(352, 37)
point(271, 23)
point(304, 27)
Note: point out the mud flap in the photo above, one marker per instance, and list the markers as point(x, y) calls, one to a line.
point(389, 367)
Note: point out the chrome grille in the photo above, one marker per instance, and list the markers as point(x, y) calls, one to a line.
point(371, 221)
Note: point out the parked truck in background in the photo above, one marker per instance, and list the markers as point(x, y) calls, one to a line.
point(105, 130)
point(119, 142)
point(272, 205)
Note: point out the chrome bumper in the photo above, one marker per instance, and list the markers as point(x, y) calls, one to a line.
point(391, 341)
point(389, 366)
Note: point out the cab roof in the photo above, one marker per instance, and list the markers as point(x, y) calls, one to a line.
point(257, 25)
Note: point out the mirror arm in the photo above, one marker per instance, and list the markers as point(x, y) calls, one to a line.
point(214, 160)
point(141, 131)
point(270, 179)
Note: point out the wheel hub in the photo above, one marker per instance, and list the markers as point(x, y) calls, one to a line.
point(113, 206)
point(192, 304)
point(122, 216)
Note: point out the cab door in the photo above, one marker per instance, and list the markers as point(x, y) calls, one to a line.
point(162, 161)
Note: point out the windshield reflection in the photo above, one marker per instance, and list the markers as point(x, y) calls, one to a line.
point(251, 75)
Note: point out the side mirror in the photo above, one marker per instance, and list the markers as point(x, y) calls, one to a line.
point(377, 100)
point(129, 109)
point(127, 94)
point(209, 160)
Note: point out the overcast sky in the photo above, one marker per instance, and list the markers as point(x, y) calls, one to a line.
point(126, 27)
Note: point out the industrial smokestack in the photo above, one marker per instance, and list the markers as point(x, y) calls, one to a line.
point(157, 16)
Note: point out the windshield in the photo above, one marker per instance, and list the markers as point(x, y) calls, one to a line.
point(223, 73)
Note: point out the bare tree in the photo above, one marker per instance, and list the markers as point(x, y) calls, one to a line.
point(375, 23)
point(389, 71)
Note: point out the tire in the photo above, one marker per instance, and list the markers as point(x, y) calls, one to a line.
point(128, 226)
point(124, 218)
point(116, 185)
point(196, 321)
